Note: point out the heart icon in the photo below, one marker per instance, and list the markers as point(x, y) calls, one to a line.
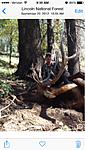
point(42, 143)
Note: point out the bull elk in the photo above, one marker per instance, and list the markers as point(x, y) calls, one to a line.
point(67, 96)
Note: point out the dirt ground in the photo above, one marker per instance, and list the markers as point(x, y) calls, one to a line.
point(28, 116)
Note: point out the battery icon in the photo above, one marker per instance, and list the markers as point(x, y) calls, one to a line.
point(80, 2)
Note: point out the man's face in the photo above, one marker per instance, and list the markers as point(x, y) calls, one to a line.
point(48, 59)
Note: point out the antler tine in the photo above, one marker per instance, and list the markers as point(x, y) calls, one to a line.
point(73, 56)
point(64, 62)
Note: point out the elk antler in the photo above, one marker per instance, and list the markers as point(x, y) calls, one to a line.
point(47, 81)
point(64, 63)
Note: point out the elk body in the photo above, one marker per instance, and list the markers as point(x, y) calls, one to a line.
point(67, 96)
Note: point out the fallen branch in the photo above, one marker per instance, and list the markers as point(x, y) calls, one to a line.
point(14, 97)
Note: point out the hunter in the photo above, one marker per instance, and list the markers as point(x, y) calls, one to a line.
point(49, 69)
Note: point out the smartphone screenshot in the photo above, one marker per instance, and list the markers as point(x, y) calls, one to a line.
point(42, 74)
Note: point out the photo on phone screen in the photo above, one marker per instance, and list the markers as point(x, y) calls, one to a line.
point(42, 69)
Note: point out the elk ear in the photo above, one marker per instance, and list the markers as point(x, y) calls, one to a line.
point(79, 82)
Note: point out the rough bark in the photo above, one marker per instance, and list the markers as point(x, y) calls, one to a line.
point(29, 45)
point(73, 65)
point(50, 35)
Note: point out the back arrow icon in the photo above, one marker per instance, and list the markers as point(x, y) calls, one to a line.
point(4, 10)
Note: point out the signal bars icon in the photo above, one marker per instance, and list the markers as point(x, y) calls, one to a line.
point(25, 2)
point(5, 2)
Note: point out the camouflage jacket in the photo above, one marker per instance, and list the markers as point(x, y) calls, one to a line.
point(49, 71)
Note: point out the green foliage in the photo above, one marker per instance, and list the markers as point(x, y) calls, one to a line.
point(5, 88)
point(43, 27)
point(8, 34)
point(5, 70)
point(57, 29)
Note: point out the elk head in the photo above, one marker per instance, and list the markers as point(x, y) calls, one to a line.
point(49, 92)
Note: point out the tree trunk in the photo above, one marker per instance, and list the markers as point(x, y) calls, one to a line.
point(50, 35)
point(73, 65)
point(29, 45)
point(10, 54)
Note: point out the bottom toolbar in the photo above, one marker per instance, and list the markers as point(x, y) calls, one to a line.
point(45, 144)
point(42, 140)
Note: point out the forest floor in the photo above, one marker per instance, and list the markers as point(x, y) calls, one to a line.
point(24, 115)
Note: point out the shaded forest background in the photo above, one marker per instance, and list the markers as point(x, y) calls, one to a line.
point(45, 36)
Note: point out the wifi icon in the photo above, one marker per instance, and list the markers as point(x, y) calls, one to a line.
point(66, 2)
point(25, 2)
